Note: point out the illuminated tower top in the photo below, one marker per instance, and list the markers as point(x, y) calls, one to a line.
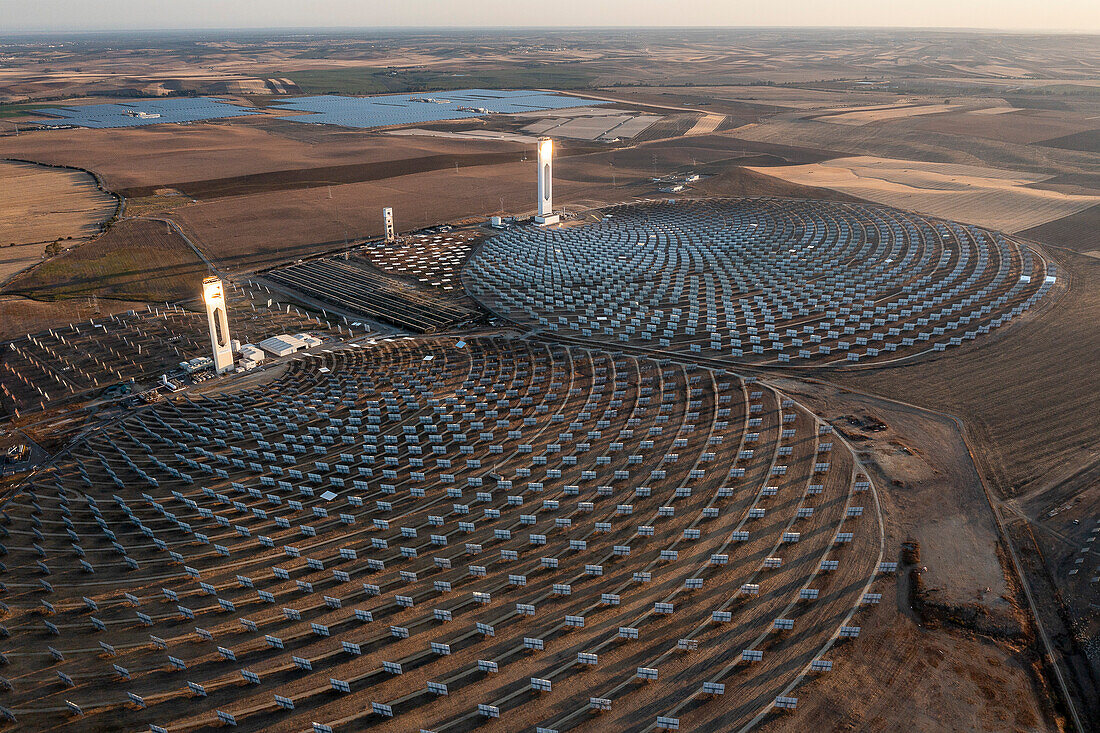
point(214, 298)
point(546, 213)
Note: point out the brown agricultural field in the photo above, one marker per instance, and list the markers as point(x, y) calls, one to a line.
point(990, 197)
point(1008, 124)
point(783, 97)
point(40, 205)
point(264, 228)
point(884, 114)
point(1079, 232)
point(897, 140)
point(1026, 430)
point(164, 155)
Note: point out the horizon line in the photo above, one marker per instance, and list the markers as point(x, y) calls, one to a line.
point(354, 28)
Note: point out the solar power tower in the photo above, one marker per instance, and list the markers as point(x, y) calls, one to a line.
point(546, 213)
point(214, 297)
point(387, 221)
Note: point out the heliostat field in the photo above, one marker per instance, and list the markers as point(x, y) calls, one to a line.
point(767, 281)
point(531, 532)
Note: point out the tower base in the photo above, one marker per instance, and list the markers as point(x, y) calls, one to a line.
point(548, 219)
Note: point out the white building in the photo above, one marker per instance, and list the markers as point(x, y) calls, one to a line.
point(251, 352)
point(283, 345)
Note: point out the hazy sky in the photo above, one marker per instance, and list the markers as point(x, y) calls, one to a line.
point(22, 15)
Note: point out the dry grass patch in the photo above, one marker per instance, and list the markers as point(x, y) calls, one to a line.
point(136, 260)
point(882, 114)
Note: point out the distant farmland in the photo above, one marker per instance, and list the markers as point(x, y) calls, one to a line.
point(40, 205)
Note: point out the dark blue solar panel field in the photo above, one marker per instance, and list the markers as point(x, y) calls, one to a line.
point(361, 112)
point(142, 112)
point(401, 109)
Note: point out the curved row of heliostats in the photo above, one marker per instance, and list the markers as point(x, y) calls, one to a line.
point(771, 281)
point(446, 529)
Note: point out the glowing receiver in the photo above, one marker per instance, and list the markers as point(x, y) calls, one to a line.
point(214, 298)
point(546, 213)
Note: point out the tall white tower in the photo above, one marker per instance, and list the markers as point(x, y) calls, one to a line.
point(387, 221)
point(214, 298)
point(546, 213)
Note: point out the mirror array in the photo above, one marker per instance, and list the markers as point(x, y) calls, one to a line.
point(45, 369)
point(429, 533)
point(351, 282)
point(433, 259)
point(762, 281)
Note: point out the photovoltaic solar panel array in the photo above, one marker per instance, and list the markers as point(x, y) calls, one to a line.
point(400, 109)
point(62, 365)
point(362, 112)
point(142, 112)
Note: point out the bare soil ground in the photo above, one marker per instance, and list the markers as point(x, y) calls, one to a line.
point(261, 228)
point(688, 100)
point(1025, 429)
point(904, 140)
point(326, 175)
point(991, 197)
point(883, 114)
point(915, 678)
point(39, 205)
point(1029, 401)
point(161, 155)
point(968, 604)
point(465, 135)
point(760, 182)
point(1088, 141)
point(1079, 232)
point(19, 315)
point(706, 125)
point(1072, 183)
point(264, 228)
point(1008, 124)
point(784, 97)
point(959, 538)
